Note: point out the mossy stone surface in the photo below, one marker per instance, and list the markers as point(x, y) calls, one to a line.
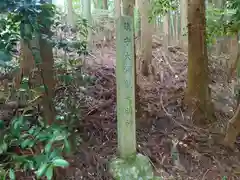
point(136, 167)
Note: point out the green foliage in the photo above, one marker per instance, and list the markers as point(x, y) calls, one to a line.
point(77, 6)
point(221, 22)
point(34, 22)
point(27, 143)
point(82, 26)
point(79, 44)
point(9, 36)
point(33, 147)
point(215, 24)
point(6, 5)
point(25, 21)
point(161, 7)
point(234, 22)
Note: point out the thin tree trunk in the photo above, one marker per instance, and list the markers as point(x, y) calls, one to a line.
point(47, 79)
point(105, 4)
point(128, 7)
point(198, 93)
point(183, 12)
point(235, 57)
point(166, 30)
point(233, 129)
point(146, 37)
point(70, 14)
point(138, 28)
point(176, 28)
point(117, 6)
point(86, 8)
point(26, 64)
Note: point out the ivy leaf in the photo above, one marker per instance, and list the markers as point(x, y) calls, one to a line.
point(12, 174)
point(60, 163)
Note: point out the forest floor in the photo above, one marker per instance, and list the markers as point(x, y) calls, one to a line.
point(169, 124)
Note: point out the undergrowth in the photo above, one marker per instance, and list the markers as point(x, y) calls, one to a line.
point(27, 142)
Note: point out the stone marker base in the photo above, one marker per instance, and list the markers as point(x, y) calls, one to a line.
point(136, 167)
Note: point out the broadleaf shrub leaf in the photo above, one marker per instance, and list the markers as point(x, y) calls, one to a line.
point(60, 163)
point(12, 174)
point(40, 172)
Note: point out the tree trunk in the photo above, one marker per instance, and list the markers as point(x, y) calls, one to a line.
point(47, 77)
point(26, 64)
point(235, 57)
point(43, 77)
point(105, 4)
point(86, 9)
point(176, 16)
point(233, 129)
point(138, 28)
point(183, 11)
point(117, 6)
point(146, 37)
point(70, 14)
point(166, 30)
point(128, 7)
point(220, 41)
point(198, 93)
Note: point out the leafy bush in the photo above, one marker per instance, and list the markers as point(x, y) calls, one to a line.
point(32, 146)
point(9, 37)
point(27, 142)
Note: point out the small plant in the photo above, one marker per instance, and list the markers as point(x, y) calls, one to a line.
point(33, 147)
point(28, 142)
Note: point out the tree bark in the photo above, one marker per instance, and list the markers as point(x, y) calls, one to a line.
point(47, 77)
point(128, 7)
point(105, 4)
point(176, 16)
point(233, 129)
point(138, 28)
point(26, 64)
point(235, 57)
point(146, 37)
point(198, 93)
point(183, 11)
point(70, 14)
point(117, 6)
point(86, 9)
point(166, 30)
